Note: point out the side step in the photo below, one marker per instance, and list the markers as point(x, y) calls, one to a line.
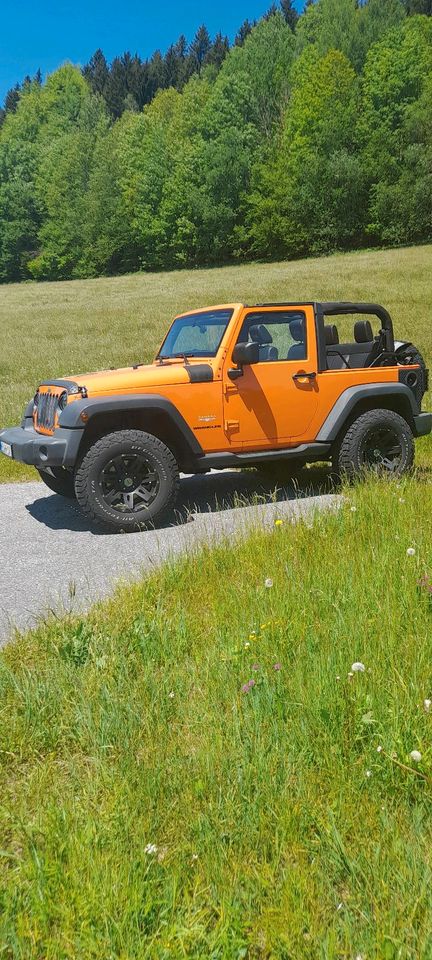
point(309, 452)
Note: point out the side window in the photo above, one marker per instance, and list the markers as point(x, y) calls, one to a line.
point(281, 334)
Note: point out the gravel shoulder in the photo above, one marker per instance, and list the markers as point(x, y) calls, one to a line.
point(52, 562)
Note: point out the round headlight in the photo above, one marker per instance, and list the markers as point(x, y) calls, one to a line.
point(62, 400)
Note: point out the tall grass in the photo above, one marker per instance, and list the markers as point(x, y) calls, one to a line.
point(58, 329)
point(151, 808)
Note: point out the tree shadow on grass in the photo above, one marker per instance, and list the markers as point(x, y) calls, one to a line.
point(205, 493)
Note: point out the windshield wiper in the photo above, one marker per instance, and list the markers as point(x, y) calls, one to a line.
point(175, 356)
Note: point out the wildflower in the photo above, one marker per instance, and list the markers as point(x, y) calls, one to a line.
point(255, 666)
point(247, 644)
point(416, 756)
point(338, 677)
point(248, 686)
point(401, 500)
point(427, 705)
point(379, 748)
point(350, 675)
point(277, 666)
point(278, 523)
point(368, 773)
point(358, 667)
point(194, 857)
point(268, 582)
point(411, 552)
point(353, 509)
point(171, 694)
point(252, 636)
point(151, 848)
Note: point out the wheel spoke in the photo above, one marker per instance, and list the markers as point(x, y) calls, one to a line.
point(129, 483)
point(382, 450)
point(143, 494)
point(111, 495)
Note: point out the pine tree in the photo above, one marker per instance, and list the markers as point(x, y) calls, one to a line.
point(290, 13)
point(96, 73)
point(12, 99)
point(218, 50)
point(199, 48)
point(243, 32)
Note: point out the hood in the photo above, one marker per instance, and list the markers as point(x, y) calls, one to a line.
point(130, 380)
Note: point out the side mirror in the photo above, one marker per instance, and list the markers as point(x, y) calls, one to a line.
point(244, 354)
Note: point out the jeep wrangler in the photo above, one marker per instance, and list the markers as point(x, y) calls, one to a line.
point(231, 385)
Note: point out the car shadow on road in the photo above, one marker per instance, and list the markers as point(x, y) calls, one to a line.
point(200, 494)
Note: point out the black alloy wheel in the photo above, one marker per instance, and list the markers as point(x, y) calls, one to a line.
point(128, 482)
point(381, 450)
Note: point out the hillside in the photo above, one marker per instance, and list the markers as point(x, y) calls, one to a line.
point(55, 329)
point(195, 769)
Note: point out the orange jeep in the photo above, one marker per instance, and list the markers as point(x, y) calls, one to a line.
point(231, 385)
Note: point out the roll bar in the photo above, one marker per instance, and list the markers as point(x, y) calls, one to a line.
point(336, 309)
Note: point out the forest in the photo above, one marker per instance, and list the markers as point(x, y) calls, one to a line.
point(309, 134)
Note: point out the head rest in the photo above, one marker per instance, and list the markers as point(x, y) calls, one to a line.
point(331, 335)
point(363, 332)
point(259, 334)
point(297, 330)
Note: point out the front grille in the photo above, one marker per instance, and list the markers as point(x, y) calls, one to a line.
point(46, 411)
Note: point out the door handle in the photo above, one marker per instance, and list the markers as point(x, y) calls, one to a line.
point(304, 376)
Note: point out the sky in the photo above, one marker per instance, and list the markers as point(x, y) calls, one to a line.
point(46, 33)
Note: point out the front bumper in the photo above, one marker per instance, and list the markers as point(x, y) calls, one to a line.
point(422, 424)
point(37, 450)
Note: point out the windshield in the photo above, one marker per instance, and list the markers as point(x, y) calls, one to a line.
point(195, 335)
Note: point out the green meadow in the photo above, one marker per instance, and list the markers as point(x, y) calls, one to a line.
point(193, 769)
point(58, 329)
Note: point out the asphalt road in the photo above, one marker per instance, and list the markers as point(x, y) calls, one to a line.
point(51, 561)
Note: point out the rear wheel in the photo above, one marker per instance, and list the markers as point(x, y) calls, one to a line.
point(128, 480)
point(59, 480)
point(380, 442)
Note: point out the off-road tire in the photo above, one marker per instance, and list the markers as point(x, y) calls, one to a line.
point(353, 457)
point(120, 446)
point(59, 480)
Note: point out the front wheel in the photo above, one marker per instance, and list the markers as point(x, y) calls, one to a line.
point(379, 441)
point(128, 480)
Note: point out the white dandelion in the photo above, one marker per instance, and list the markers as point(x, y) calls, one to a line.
point(151, 849)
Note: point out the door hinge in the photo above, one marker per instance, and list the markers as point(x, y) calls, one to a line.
point(230, 426)
point(230, 388)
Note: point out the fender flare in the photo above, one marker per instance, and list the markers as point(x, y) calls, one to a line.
point(71, 416)
point(349, 399)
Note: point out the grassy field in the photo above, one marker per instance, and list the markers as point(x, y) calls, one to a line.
point(194, 770)
point(58, 329)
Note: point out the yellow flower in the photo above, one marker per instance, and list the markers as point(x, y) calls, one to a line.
point(278, 523)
